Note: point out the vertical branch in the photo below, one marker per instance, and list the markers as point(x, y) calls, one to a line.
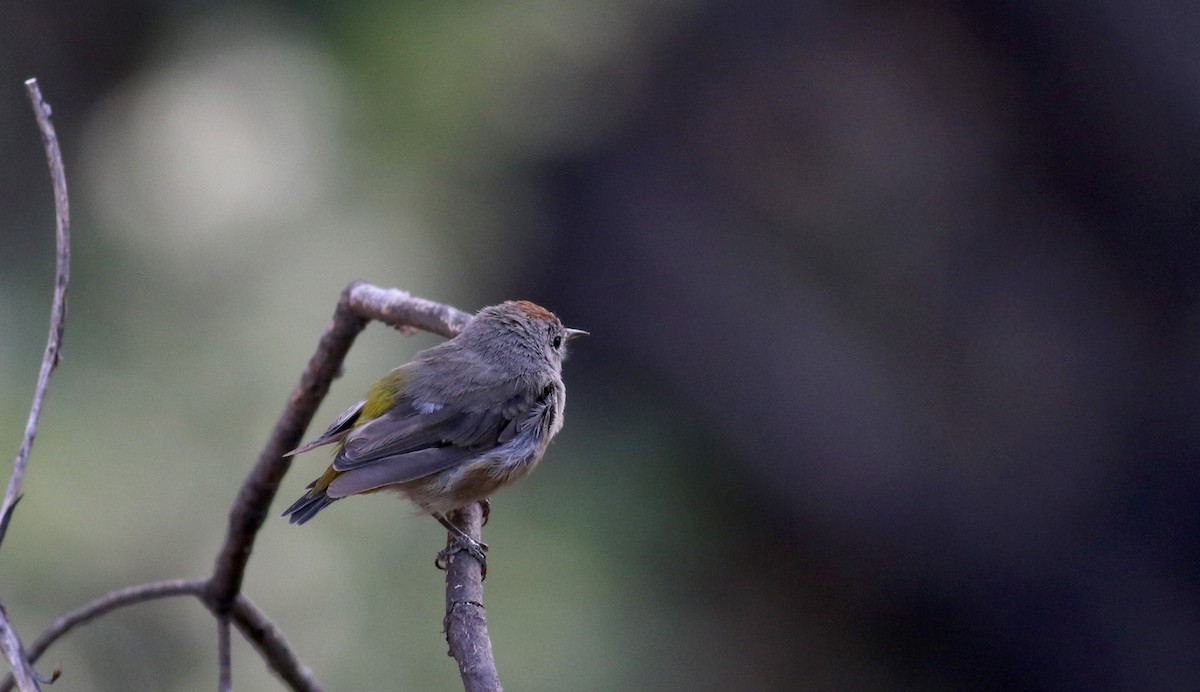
point(58, 309)
point(26, 678)
point(466, 618)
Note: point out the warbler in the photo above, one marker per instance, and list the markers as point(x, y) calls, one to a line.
point(457, 423)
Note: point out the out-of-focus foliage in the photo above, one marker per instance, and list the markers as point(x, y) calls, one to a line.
point(893, 306)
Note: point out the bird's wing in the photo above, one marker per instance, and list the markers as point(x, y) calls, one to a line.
point(400, 468)
point(416, 439)
point(336, 431)
point(415, 426)
point(403, 452)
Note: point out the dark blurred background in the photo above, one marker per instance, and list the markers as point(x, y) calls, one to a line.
point(893, 375)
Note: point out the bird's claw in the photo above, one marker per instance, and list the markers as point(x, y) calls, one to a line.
point(471, 547)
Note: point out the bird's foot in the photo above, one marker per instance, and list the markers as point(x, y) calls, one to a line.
point(463, 544)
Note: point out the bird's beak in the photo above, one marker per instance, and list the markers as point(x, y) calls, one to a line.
point(573, 334)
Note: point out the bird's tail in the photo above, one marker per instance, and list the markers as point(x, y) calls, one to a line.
point(307, 506)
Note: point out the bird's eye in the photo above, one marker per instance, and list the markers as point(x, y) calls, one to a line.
point(557, 342)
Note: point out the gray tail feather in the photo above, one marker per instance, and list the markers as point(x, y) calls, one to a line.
point(307, 507)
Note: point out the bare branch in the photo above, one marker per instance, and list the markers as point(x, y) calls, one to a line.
point(257, 629)
point(104, 604)
point(405, 311)
point(10, 643)
point(109, 602)
point(58, 309)
point(466, 618)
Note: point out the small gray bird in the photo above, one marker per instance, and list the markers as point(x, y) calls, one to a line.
point(462, 420)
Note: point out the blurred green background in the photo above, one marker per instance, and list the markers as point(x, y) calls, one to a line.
point(894, 312)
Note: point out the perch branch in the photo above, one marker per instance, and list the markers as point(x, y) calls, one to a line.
point(465, 624)
point(404, 311)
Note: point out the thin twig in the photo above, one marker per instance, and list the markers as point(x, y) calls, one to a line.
point(10, 643)
point(106, 603)
point(109, 602)
point(466, 618)
point(258, 630)
point(58, 309)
